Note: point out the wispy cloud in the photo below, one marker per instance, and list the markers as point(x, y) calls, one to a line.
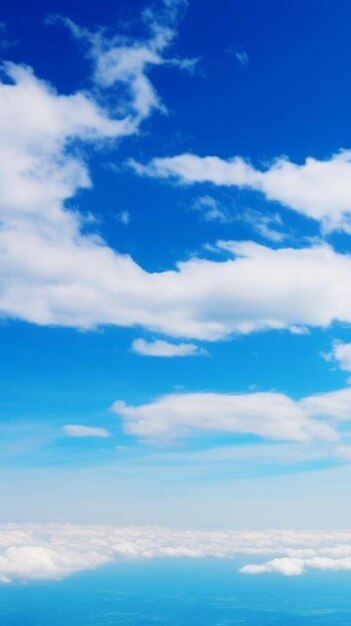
point(81, 431)
point(211, 209)
point(295, 566)
point(317, 189)
point(5, 41)
point(124, 217)
point(242, 57)
point(121, 61)
point(165, 349)
point(269, 415)
point(268, 225)
point(239, 54)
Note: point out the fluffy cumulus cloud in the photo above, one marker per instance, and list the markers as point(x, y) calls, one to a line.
point(165, 349)
point(53, 551)
point(81, 431)
point(269, 415)
point(318, 189)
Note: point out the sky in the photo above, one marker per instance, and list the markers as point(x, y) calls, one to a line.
point(175, 291)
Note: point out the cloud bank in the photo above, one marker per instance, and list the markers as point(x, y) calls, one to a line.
point(53, 551)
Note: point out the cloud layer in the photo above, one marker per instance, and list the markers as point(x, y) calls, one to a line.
point(53, 551)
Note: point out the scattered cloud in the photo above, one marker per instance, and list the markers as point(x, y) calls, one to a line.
point(269, 415)
point(317, 189)
point(84, 283)
point(162, 348)
point(81, 431)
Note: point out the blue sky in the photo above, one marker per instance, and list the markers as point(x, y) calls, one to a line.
point(175, 242)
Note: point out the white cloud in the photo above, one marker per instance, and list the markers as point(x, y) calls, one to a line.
point(267, 414)
point(270, 415)
point(318, 189)
point(285, 565)
point(125, 61)
point(162, 348)
point(289, 566)
point(341, 353)
point(37, 172)
point(83, 283)
point(53, 551)
point(79, 430)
